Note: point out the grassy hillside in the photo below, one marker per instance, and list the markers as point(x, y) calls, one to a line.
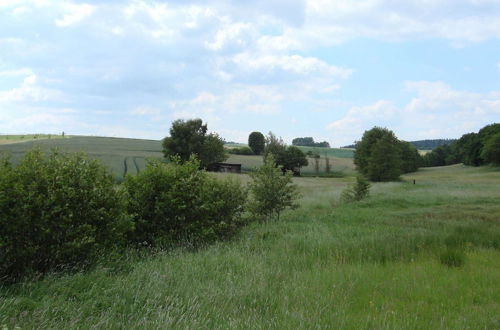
point(129, 155)
point(119, 155)
point(372, 264)
point(9, 139)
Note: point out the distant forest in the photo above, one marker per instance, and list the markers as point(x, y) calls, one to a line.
point(423, 144)
point(309, 142)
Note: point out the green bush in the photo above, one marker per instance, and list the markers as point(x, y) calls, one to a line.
point(56, 211)
point(240, 151)
point(356, 192)
point(272, 191)
point(173, 203)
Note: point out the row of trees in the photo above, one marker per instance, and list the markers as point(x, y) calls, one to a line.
point(473, 149)
point(381, 156)
point(309, 142)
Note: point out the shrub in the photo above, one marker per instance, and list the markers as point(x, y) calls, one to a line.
point(356, 192)
point(56, 211)
point(240, 151)
point(174, 202)
point(272, 191)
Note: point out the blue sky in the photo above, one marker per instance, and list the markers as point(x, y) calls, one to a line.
point(327, 69)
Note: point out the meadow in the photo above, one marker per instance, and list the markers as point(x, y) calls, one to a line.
point(383, 262)
point(122, 156)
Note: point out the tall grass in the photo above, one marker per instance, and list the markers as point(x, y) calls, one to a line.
point(371, 264)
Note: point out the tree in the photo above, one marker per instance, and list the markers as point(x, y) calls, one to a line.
point(356, 192)
point(271, 191)
point(256, 142)
point(309, 142)
point(378, 155)
point(275, 146)
point(385, 160)
point(293, 159)
point(491, 150)
point(190, 137)
point(410, 158)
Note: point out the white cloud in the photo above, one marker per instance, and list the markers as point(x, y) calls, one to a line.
point(437, 111)
point(498, 66)
point(145, 111)
point(74, 14)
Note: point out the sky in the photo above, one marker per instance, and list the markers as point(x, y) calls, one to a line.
point(329, 69)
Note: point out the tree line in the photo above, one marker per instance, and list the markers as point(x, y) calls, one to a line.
point(473, 149)
point(309, 142)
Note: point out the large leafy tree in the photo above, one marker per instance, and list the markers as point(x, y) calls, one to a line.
point(378, 155)
point(491, 150)
point(257, 142)
point(293, 159)
point(289, 158)
point(190, 138)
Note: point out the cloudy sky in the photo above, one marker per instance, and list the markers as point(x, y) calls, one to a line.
point(324, 68)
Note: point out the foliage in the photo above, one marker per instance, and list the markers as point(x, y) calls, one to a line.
point(272, 191)
point(190, 137)
point(470, 149)
point(378, 155)
point(430, 144)
point(275, 146)
point(292, 159)
point(176, 202)
point(309, 142)
point(240, 151)
point(257, 142)
point(410, 158)
point(356, 192)
point(56, 211)
point(491, 150)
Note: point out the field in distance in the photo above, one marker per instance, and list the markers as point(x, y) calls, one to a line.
point(9, 139)
point(124, 156)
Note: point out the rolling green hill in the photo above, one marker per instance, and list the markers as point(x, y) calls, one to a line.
point(124, 156)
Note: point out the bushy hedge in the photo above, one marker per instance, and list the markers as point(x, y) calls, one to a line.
point(177, 202)
point(56, 211)
point(241, 151)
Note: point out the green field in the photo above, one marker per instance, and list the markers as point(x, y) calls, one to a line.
point(374, 264)
point(9, 139)
point(123, 156)
point(119, 155)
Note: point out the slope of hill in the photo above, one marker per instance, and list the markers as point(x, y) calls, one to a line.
point(124, 156)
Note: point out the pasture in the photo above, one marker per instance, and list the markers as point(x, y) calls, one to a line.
point(377, 264)
point(122, 156)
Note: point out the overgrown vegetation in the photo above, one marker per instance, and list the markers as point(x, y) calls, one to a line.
point(175, 202)
point(272, 191)
point(375, 264)
point(57, 211)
